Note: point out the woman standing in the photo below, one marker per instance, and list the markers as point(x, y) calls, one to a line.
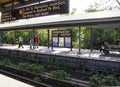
point(31, 43)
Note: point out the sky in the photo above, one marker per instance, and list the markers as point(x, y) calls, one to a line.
point(81, 5)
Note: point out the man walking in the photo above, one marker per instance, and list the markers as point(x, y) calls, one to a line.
point(20, 42)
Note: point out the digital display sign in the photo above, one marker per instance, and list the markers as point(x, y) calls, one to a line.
point(37, 10)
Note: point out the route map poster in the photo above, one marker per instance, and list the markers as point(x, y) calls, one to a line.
point(55, 41)
point(62, 38)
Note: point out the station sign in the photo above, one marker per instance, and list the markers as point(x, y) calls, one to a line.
point(37, 10)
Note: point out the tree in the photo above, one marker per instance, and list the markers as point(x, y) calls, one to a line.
point(73, 11)
point(118, 2)
point(104, 5)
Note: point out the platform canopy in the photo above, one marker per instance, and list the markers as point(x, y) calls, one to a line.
point(103, 19)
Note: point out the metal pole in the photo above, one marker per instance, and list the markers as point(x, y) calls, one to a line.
point(33, 36)
point(91, 40)
point(71, 41)
point(79, 40)
point(48, 38)
point(52, 40)
point(1, 39)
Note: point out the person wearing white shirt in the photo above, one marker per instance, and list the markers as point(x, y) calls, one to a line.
point(20, 42)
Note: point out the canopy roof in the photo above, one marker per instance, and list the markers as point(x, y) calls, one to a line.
point(104, 19)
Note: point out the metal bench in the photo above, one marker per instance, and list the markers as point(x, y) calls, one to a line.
point(111, 48)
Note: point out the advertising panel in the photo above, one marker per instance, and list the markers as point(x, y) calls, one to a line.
point(67, 42)
point(55, 41)
point(61, 41)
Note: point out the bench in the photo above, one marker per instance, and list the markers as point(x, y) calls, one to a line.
point(111, 48)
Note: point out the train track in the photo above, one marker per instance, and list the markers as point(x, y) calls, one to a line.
point(23, 79)
point(45, 80)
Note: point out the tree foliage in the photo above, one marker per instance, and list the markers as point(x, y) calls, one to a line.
point(104, 5)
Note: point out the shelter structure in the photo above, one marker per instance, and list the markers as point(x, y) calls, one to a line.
point(103, 19)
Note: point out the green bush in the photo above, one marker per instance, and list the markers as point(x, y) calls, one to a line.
point(32, 67)
point(109, 80)
point(96, 81)
point(36, 69)
point(94, 71)
point(6, 62)
point(59, 74)
point(23, 65)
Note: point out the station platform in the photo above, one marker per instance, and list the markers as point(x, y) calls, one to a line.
point(6, 81)
point(85, 53)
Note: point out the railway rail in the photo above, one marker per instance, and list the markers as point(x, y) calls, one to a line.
point(28, 77)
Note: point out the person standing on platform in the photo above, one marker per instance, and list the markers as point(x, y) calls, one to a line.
point(20, 42)
point(36, 41)
point(31, 43)
point(101, 45)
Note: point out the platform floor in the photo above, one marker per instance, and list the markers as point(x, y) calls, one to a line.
point(85, 53)
point(10, 82)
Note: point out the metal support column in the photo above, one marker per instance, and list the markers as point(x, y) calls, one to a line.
point(79, 41)
point(52, 41)
point(91, 39)
point(48, 38)
point(1, 39)
point(33, 36)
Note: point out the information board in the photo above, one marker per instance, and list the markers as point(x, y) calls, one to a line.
point(62, 38)
point(37, 10)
